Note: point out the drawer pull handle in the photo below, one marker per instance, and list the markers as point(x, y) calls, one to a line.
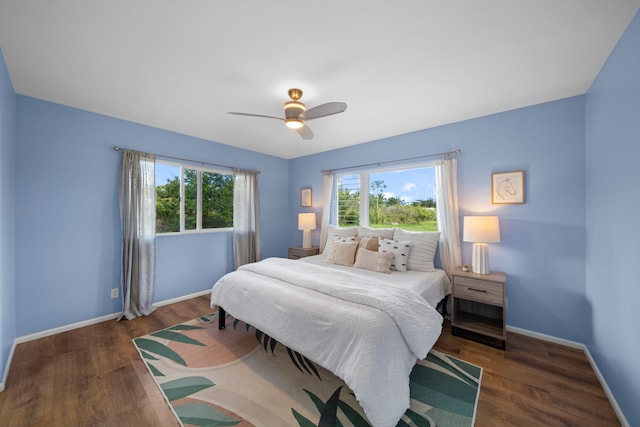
point(477, 290)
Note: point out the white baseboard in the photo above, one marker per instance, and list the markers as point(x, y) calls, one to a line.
point(65, 328)
point(592, 362)
point(607, 390)
point(545, 337)
point(6, 368)
point(182, 298)
point(72, 326)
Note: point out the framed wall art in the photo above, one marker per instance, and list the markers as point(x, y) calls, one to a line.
point(507, 187)
point(305, 197)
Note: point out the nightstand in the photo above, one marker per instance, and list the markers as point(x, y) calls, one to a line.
point(479, 307)
point(298, 252)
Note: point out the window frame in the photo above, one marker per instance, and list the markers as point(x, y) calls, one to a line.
point(199, 169)
point(365, 182)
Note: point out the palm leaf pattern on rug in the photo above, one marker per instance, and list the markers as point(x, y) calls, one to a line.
point(458, 379)
point(301, 362)
point(150, 347)
point(443, 389)
point(193, 413)
point(329, 409)
point(329, 412)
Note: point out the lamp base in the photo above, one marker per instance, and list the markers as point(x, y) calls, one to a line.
point(480, 260)
point(306, 239)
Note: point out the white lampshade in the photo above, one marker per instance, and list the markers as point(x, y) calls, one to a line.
point(481, 230)
point(306, 223)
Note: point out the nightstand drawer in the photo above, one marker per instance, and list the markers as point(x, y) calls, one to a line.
point(479, 290)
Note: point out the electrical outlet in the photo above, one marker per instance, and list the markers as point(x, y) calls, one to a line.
point(114, 293)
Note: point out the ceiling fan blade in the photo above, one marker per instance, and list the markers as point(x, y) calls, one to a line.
point(254, 115)
point(323, 110)
point(305, 132)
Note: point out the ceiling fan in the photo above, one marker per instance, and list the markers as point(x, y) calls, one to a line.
point(295, 113)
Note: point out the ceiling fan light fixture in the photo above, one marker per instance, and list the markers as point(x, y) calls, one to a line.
point(292, 112)
point(293, 123)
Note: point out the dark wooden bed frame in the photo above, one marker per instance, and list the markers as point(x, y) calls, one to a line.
point(222, 318)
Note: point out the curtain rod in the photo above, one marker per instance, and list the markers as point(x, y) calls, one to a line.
point(456, 151)
point(117, 148)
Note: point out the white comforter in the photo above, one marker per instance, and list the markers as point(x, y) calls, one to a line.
point(368, 334)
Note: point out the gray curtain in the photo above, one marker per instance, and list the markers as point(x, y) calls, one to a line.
point(447, 212)
point(246, 217)
point(138, 220)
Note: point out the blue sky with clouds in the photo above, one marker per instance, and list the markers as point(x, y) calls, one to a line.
point(408, 185)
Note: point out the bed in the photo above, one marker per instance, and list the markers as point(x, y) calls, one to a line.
point(367, 327)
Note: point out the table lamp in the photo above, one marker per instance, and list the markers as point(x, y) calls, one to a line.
point(481, 230)
point(306, 223)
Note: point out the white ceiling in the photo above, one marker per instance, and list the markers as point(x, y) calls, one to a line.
point(400, 66)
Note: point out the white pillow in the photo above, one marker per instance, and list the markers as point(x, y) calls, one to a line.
point(423, 248)
point(374, 260)
point(387, 233)
point(335, 231)
point(400, 251)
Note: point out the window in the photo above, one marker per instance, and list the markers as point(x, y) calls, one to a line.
point(192, 199)
point(380, 198)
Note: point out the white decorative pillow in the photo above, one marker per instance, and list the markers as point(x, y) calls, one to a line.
point(374, 260)
point(400, 251)
point(387, 233)
point(423, 248)
point(343, 253)
point(335, 231)
point(345, 239)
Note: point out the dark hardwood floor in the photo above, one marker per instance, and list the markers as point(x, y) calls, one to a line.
point(93, 376)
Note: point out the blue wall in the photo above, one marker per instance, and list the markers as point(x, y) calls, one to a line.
point(613, 209)
point(7, 217)
point(542, 241)
point(67, 215)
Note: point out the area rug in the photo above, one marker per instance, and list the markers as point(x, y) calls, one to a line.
point(242, 377)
